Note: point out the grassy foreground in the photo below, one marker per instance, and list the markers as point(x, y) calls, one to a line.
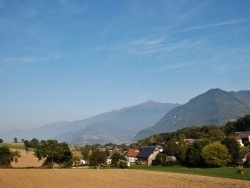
point(225, 172)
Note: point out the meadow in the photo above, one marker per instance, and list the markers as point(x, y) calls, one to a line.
point(17, 146)
point(224, 172)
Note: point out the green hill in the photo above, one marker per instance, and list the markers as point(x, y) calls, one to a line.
point(215, 107)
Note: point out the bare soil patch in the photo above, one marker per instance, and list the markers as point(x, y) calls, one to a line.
point(27, 159)
point(110, 178)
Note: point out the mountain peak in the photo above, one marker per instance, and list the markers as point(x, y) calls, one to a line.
point(150, 101)
point(214, 107)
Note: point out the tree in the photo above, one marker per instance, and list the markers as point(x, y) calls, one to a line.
point(34, 143)
point(216, 155)
point(1, 140)
point(117, 160)
point(233, 148)
point(26, 143)
point(176, 148)
point(54, 152)
point(229, 128)
point(7, 156)
point(160, 159)
point(243, 124)
point(97, 158)
point(215, 134)
point(15, 140)
point(193, 154)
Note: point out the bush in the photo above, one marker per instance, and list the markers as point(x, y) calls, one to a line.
point(216, 155)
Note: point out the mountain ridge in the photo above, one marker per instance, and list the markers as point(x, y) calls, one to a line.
point(66, 130)
point(215, 107)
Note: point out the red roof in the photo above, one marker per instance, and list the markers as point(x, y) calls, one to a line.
point(132, 153)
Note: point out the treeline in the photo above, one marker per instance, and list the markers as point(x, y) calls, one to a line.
point(205, 146)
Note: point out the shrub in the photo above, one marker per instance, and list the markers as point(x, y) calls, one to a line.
point(216, 155)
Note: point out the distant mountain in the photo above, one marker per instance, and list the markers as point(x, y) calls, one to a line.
point(215, 107)
point(120, 125)
point(117, 125)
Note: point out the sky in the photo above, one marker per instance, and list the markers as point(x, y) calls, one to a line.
point(66, 60)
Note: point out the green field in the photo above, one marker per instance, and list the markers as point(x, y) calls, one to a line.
point(225, 172)
point(18, 145)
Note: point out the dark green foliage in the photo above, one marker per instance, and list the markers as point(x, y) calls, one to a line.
point(97, 158)
point(243, 124)
point(233, 148)
point(118, 160)
point(34, 143)
point(211, 132)
point(176, 147)
point(216, 155)
point(26, 143)
point(193, 154)
point(229, 128)
point(160, 159)
point(122, 164)
point(54, 152)
point(15, 140)
point(7, 156)
point(1, 140)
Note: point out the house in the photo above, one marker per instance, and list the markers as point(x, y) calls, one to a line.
point(147, 154)
point(108, 160)
point(131, 155)
point(243, 158)
point(189, 140)
point(243, 138)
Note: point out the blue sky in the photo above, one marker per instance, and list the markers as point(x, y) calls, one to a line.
point(69, 59)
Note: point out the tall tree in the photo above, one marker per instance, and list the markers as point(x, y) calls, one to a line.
point(97, 158)
point(233, 148)
point(193, 154)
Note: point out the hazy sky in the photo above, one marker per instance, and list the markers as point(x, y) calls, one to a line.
point(69, 59)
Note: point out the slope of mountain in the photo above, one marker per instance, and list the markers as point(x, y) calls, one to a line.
point(215, 107)
point(119, 125)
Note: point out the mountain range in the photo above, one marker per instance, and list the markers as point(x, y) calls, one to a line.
point(214, 107)
point(115, 126)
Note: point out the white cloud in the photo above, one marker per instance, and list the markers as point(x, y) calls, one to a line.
point(29, 59)
point(147, 46)
point(216, 24)
point(173, 66)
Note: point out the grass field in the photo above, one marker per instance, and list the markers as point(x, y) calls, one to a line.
point(17, 146)
point(12, 145)
point(225, 172)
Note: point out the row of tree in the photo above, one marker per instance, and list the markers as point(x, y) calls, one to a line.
point(213, 146)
